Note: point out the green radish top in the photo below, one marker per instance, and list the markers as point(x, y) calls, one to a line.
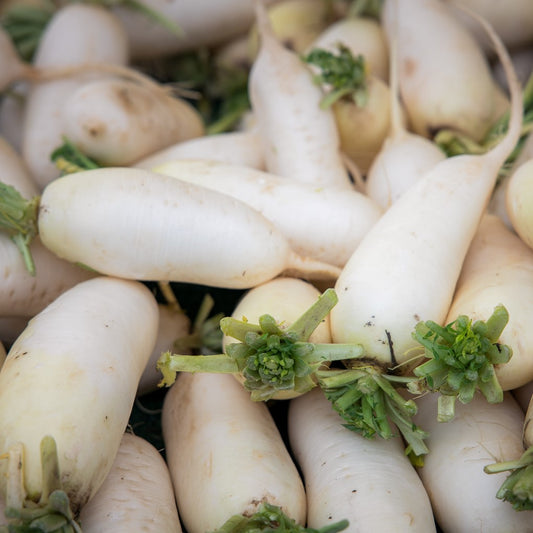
point(52, 513)
point(270, 518)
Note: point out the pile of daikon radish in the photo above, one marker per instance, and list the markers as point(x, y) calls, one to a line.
point(385, 286)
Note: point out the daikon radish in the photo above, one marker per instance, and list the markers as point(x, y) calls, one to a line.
point(463, 496)
point(183, 236)
point(136, 494)
point(15, 171)
point(12, 106)
point(300, 140)
point(326, 224)
point(459, 94)
point(77, 365)
point(24, 294)
point(148, 39)
point(235, 148)
point(407, 265)
point(497, 269)
point(77, 34)
point(371, 483)
point(225, 453)
point(117, 122)
point(519, 199)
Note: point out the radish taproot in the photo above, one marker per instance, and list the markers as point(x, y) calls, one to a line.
point(325, 224)
point(406, 267)
point(136, 495)
point(83, 354)
point(76, 214)
point(371, 483)
point(285, 100)
point(225, 453)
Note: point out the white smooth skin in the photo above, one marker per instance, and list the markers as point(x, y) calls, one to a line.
point(77, 34)
point(462, 494)
point(137, 224)
point(225, 453)
point(326, 224)
point(406, 267)
point(117, 121)
point(369, 482)
point(136, 495)
point(233, 147)
point(519, 199)
point(300, 140)
point(73, 374)
point(15, 171)
point(498, 269)
point(445, 78)
point(22, 294)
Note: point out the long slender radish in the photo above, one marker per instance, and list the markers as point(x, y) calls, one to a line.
point(118, 121)
point(326, 224)
point(497, 269)
point(462, 494)
point(406, 267)
point(370, 482)
point(77, 366)
point(445, 78)
point(76, 34)
point(23, 294)
point(300, 140)
point(225, 453)
point(183, 236)
point(235, 147)
point(136, 494)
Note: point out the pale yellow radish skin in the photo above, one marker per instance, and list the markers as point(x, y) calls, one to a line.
point(445, 78)
point(77, 365)
point(462, 494)
point(300, 140)
point(147, 39)
point(22, 294)
point(406, 267)
point(497, 270)
point(15, 172)
point(370, 482)
point(363, 36)
point(519, 199)
point(70, 40)
point(174, 324)
point(118, 121)
point(166, 230)
point(225, 453)
point(136, 494)
point(326, 224)
point(235, 148)
point(286, 299)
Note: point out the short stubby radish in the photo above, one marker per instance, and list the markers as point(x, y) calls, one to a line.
point(445, 78)
point(77, 365)
point(406, 267)
point(77, 34)
point(225, 453)
point(138, 224)
point(136, 495)
point(300, 140)
point(462, 494)
point(369, 482)
point(498, 269)
point(326, 224)
point(118, 121)
point(519, 200)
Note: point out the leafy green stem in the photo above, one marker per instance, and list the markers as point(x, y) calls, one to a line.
point(461, 359)
point(69, 159)
point(517, 488)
